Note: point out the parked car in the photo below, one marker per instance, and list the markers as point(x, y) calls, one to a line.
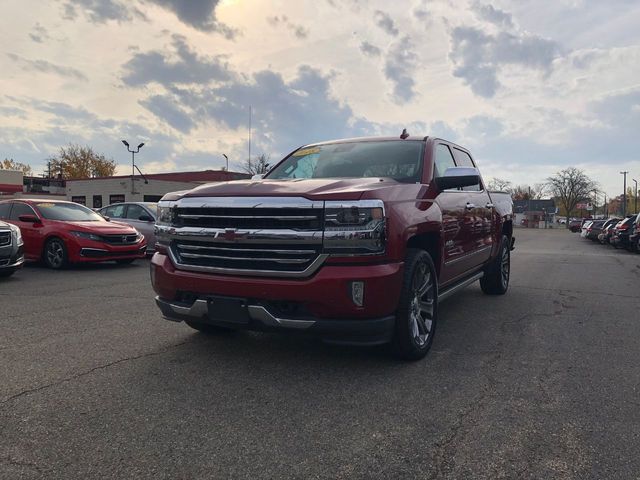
point(622, 233)
point(585, 227)
point(594, 229)
point(355, 241)
point(608, 231)
point(634, 235)
point(575, 225)
point(59, 233)
point(11, 249)
point(140, 215)
point(604, 230)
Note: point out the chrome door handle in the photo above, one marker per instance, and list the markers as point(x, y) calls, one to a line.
point(489, 205)
point(470, 206)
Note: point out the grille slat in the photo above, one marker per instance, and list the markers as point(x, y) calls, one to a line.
point(253, 250)
point(224, 217)
point(120, 239)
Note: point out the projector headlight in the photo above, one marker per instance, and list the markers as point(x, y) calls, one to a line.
point(87, 235)
point(354, 228)
point(165, 213)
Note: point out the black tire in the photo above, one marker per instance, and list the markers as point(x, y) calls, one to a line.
point(125, 261)
point(496, 276)
point(55, 254)
point(7, 272)
point(417, 314)
point(207, 328)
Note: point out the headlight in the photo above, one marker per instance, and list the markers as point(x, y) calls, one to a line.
point(18, 235)
point(354, 228)
point(165, 213)
point(87, 235)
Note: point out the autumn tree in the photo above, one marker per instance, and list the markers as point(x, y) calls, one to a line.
point(528, 192)
point(570, 186)
point(76, 161)
point(11, 164)
point(258, 166)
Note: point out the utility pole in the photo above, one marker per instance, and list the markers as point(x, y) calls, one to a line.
point(624, 195)
point(635, 203)
point(250, 115)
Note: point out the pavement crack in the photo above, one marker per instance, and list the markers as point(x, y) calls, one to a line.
point(90, 371)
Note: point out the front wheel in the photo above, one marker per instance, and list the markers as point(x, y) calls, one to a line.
point(417, 313)
point(496, 277)
point(55, 254)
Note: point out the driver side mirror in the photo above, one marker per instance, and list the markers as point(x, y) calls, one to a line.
point(29, 219)
point(145, 218)
point(458, 177)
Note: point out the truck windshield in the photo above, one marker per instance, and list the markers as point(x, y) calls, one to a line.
point(400, 160)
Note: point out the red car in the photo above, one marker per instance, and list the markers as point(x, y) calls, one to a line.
point(59, 233)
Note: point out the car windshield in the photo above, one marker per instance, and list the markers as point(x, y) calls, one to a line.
point(70, 212)
point(400, 160)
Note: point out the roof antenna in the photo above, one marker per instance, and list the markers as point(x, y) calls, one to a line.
point(404, 134)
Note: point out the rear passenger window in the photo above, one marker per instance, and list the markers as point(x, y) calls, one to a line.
point(444, 160)
point(4, 210)
point(116, 211)
point(134, 212)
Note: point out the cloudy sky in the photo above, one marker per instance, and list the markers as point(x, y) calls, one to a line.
point(529, 88)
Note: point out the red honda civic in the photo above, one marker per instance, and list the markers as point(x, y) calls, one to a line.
point(59, 233)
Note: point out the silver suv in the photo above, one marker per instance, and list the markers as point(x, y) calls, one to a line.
point(11, 249)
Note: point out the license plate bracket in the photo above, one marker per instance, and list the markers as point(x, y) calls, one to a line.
point(227, 310)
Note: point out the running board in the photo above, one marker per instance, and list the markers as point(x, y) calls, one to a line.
point(459, 286)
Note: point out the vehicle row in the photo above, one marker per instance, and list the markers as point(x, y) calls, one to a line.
point(618, 232)
point(60, 233)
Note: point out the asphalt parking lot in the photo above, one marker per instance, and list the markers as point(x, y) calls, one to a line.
point(541, 383)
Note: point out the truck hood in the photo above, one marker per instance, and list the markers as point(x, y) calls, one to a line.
point(313, 189)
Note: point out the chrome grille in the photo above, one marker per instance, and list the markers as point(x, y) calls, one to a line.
point(266, 257)
point(252, 236)
point(5, 238)
point(272, 218)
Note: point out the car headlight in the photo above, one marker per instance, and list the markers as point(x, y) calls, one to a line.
point(165, 213)
point(354, 228)
point(87, 235)
point(18, 235)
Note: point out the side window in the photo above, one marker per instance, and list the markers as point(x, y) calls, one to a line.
point(464, 160)
point(443, 160)
point(115, 211)
point(134, 212)
point(20, 209)
point(4, 210)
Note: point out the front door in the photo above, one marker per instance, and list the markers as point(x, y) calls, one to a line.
point(31, 233)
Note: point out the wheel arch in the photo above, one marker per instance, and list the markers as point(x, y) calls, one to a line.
point(431, 243)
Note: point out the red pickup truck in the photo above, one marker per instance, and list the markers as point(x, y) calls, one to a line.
point(355, 241)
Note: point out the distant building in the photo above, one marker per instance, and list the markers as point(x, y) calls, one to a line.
point(100, 191)
point(535, 213)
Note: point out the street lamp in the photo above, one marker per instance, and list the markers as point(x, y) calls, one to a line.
point(133, 162)
point(227, 159)
point(624, 195)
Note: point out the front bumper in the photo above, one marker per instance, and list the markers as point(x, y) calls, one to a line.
point(11, 257)
point(86, 251)
point(322, 303)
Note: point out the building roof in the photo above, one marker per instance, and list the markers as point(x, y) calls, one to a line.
point(521, 206)
point(199, 176)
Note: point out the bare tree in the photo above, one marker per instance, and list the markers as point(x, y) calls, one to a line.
point(499, 185)
point(570, 186)
point(11, 164)
point(258, 166)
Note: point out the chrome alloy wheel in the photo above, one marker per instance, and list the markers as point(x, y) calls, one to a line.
point(55, 253)
point(505, 266)
point(421, 310)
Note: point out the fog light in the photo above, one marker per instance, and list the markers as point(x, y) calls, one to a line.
point(357, 293)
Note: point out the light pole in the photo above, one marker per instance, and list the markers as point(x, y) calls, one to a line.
point(133, 161)
point(227, 159)
point(624, 195)
point(635, 203)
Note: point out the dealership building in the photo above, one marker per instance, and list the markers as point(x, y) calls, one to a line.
point(100, 191)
